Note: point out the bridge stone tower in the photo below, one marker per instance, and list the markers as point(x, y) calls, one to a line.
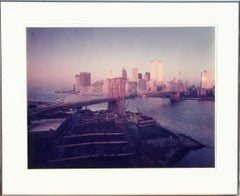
point(116, 90)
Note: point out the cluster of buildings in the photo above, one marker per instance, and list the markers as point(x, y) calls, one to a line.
point(136, 84)
point(149, 82)
point(143, 83)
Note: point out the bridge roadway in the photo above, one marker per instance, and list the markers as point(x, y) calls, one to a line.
point(53, 107)
point(64, 106)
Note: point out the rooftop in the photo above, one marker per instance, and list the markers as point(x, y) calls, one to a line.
point(46, 124)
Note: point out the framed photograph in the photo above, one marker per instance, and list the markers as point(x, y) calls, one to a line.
point(119, 117)
point(128, 98)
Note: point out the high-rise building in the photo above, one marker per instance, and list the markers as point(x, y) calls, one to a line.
point(207, 81)
point(77, 83)
point(152, 86)
point(134, 75)
point(160, 71)
point(140, 76)
point(186, 86)
point(124, 73)
point(85, 79)
point(141, 86)
point(147, 76)
point(82, 81)
point(152, 70)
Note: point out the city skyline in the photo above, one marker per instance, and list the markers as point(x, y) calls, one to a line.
point(56, 55)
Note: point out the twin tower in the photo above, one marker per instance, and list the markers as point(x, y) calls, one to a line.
point(156, 70)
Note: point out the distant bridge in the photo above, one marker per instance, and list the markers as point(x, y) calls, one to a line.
point(172, 95)
point(115, 99)
point(68, 105)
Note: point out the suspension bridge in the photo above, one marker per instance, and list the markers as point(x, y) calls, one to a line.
point(115, 96)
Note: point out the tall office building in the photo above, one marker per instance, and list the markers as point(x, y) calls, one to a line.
point(85, 79)
point(160, 71)
point(152, 70)
point(210, 80)
point(77, 83)
point(141, 87)
point(207, 81)
point(134, 75)
point(147, 76)
point(82, 81)
point(140, 76)
point(186, 86)
point(152, 86)
point(124, 73)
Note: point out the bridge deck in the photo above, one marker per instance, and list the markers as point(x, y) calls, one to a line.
point(64, 106)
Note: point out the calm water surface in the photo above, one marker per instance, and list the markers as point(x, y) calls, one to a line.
point(191, 117)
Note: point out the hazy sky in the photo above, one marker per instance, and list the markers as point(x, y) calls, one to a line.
point(56, 55)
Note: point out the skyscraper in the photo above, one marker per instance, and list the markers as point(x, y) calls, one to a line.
point(141, 87)
point(82, 81)
point(207, 81)
point(77, 83)
point(160, 71)
point(152, 70)
point(85, 79)
point(139, 76)
point(147, 76)
point(124, 73)
point(186, 86)
point(134, 75)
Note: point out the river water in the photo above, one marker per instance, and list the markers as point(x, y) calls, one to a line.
point(190, 117)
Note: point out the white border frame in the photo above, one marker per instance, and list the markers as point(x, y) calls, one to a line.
point(17, 179)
